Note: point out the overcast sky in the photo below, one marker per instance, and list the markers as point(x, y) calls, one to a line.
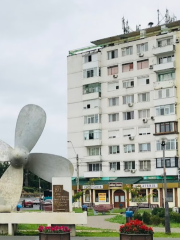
point(35, 37)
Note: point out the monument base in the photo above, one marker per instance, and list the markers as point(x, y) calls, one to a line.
point(9, 221)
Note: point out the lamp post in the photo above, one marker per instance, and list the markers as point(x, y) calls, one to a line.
point(167, 219)
point(162, 192)
point(77, 166)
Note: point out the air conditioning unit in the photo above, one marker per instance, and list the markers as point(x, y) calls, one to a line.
point(113, 170)
point(133, 170)
point(141, 54)
point(152, 117)
point(127, 170)
point(115, 76)
point(145, 120)
point(84, 107)
point(177, 40)
point(131, 138)
point(151, 67)
point(130, 104)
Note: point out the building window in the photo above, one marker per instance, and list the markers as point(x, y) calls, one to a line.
point(143, 80)
point(91, 72)
point(155, 195)
point(114, 117)
point(113, 133)
point(144, 130)
point(128, 132)
point(87, 196)
point(114, 166)
point(127, 67)
point(166, 127)
point(127, 51)
point(91, 104)
point(95, 167)
point(144, 97)
point(128, 83)
point(142, 47)
point(144, 147)
point(165, 42)
point(112, 54)
point(128, 115)
point(142, 64)
point(87, 58)
point(166, 59)
point(166, 76)
point(129, 165)
point(114, 149)
point(97, 195)
point(142, 193)
point(129, 148)
point(165, 110)
point(92, 134)
point(144, 113)
point(112, 70)
point(92, 119)
point(114, 101)
point(91, 88)
point(169, 162)
point(128, 99)
point(164, 93)
point(94, 151)
point(113, 86)
point(145, 165)
point(170, 195)
point(171, 144)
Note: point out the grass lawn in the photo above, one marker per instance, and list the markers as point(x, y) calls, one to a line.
point(117, 219)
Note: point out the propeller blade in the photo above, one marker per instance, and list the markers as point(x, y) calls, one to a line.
point(5, 152)
point(47, 166)
point(11, 184)
point(29, 126)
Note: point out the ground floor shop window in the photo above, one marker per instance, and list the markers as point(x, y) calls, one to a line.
point(170, 195)
point(87, 196)
point(99, 197)
point(140, 197)
point(155, 195)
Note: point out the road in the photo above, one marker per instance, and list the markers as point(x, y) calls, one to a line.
point(35, 207)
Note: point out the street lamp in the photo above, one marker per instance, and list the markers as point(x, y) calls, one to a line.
point(167, 219)
point(77, 166)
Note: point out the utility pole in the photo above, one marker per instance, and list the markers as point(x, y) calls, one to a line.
point(77, 179)
point(167, 219)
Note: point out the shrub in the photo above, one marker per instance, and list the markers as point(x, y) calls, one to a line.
point(159, 212)
point(137, 215)
point(155, 220)
point(146, 217)
point(175, 217)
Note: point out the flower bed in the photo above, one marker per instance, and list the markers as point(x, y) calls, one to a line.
point(135, 230)
point(54, 233)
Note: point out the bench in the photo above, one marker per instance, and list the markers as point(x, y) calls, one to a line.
point(132, 208)
point(147, 205)
point(102, 208)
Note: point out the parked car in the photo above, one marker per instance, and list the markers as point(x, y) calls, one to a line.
point(36, 201)
point(27, 203)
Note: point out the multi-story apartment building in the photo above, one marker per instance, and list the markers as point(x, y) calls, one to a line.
point(123, 98)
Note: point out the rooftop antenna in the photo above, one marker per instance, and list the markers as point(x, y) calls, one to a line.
point(158, 16)
point(167, 17)
point(138, 27)
point(125, 26)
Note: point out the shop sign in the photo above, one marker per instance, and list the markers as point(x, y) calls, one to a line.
point(115, 184)
point(146, 185)
point(92, 186)
point(102, 197)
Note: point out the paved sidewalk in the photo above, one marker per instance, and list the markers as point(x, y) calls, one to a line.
point(99, 222)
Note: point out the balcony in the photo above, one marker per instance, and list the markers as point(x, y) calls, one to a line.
point(92, 142)
point(164, 49)
point(93, 174)
point(92, 159)
point(169, 171)
point(90, 96)
point(164, 84)
point(164, 66)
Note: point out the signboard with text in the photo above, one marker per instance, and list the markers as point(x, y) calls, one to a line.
point(92, 186)
point(102, 197)
point(60, 199)
point(115, 184)
point(149, 185)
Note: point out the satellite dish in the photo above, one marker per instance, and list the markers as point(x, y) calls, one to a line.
point(150, 24)
point(29, 127)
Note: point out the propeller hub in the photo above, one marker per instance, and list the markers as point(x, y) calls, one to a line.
point(19, 158)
